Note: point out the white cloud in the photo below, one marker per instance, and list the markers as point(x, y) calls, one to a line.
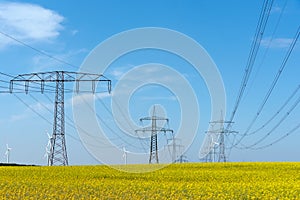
point(28, 22)
point(74, 32)
point(42, 107)
point(118, 72)
point(159, 98)
point(103, 95)
point(151, 73)
point(39, 107)
point(18, 117)
point(85, 98)
point(145, 73)
point(277, 42)
point(276, 9)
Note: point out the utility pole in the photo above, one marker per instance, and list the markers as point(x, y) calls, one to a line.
point(58, 151)
point(154, 130)
point(220, 134)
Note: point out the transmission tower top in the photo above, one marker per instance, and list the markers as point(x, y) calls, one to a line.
point(59, 76)
point(58, 152)
point(154, 130)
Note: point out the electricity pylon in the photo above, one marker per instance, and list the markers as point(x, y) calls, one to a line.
point(58, 151)
point(220, 132)
point(182, 159)
point(154, 130)
point(175, 148)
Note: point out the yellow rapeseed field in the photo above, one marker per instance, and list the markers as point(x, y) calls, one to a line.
point(177, 181)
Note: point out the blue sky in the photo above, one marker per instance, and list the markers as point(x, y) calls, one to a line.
point(225, 29)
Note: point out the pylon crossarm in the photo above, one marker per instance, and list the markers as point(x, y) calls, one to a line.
point(154, 118)
point(150, 129)
point(58, 152)
point(43, 77)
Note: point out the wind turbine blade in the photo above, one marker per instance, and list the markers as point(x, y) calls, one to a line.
point(49, 136)
point(207, 144)
point(47, 152)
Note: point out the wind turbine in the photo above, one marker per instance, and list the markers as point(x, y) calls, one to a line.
point(47, 152)
point(7, 153)
point(214, 145)
point(125, 155)
point(48, 147)
point(49, 139)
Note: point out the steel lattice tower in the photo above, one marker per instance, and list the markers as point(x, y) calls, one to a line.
point(58, 151)
point(175, 145)
point(221, 132)
point(154, 130)
point(182, 159)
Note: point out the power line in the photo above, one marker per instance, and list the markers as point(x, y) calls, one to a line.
point(6, 75)
point(142, 142)
point(41, 116)
point(278, 111)
point(274, 128)
point(279, 139)
point(58, 152)
point(269, 44)
point(18, 84)
point(46, 120)
point(111, 130)
point(268, 94)
point(37, 50)
point(70, 122)
point(279, 71)
point(39, 88)
point(33, 110)
point(263, 19)
point(47, 55)
point(50, 111)
point(154, 130)
point(11, 76)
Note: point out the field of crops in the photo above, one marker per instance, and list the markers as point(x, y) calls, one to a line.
point(177, 181)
